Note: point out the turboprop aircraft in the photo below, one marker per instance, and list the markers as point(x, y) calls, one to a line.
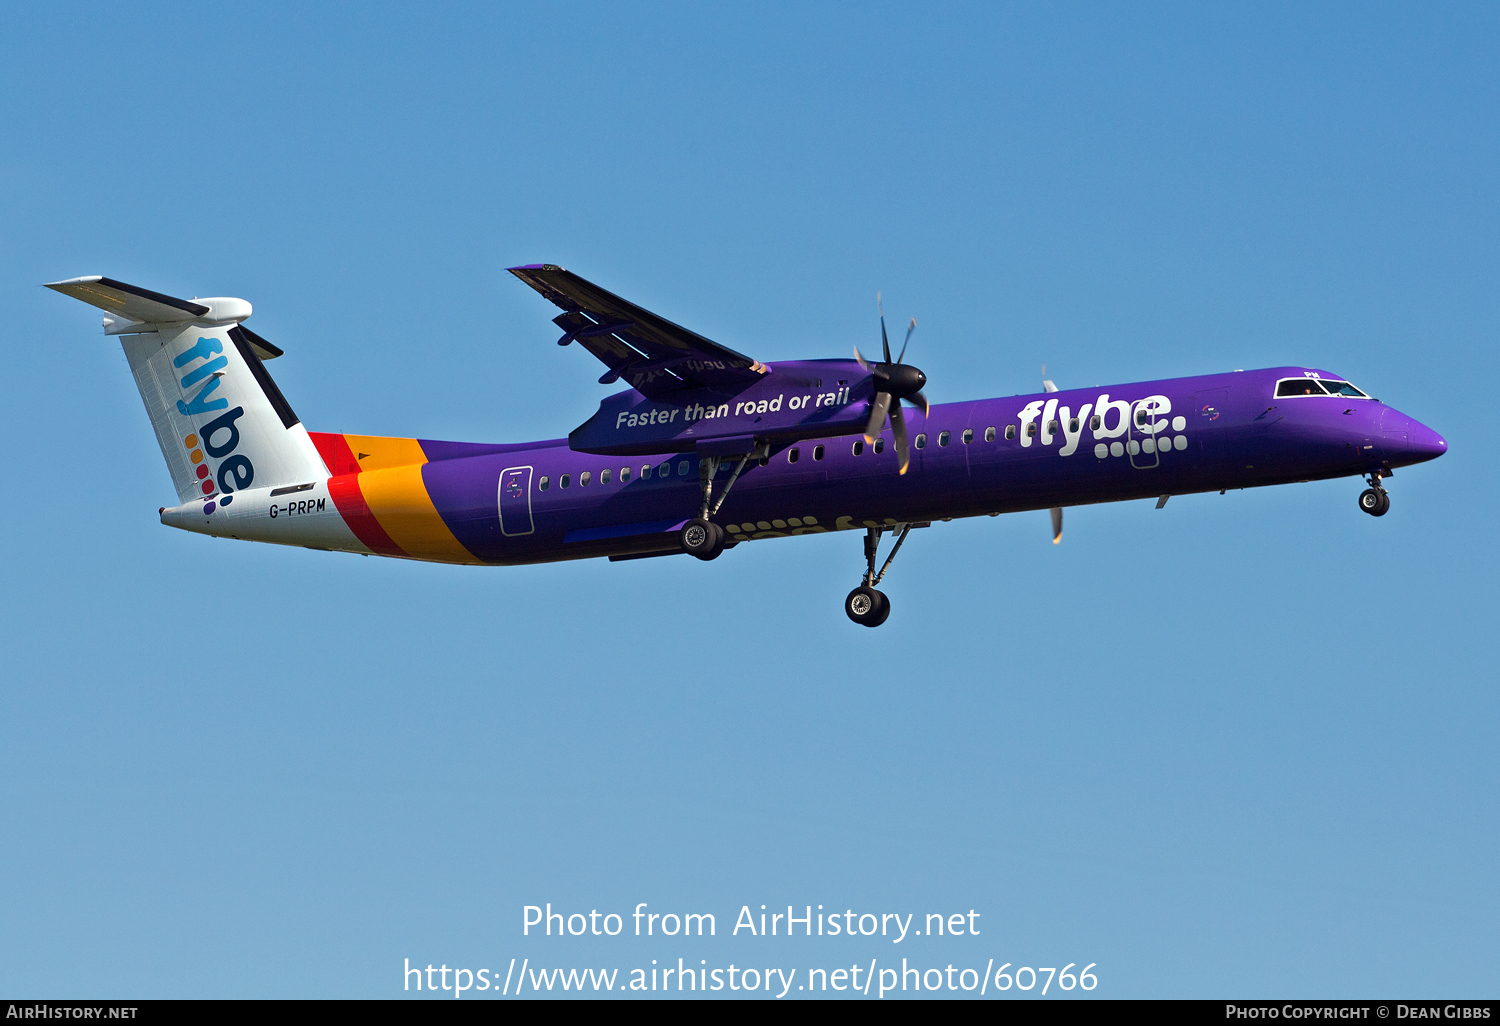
point(708, 448)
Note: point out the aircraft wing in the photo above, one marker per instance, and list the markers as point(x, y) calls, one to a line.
point(650, 353)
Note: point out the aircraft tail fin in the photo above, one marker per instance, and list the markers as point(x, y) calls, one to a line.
point(219, 418)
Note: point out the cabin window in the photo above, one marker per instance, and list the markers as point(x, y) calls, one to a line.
point(1298, 386)
point(604, 477)
point(817, 452)
point(682, 469)
point(664, 471)
point(646, 472)
point(1095, 421)
point(1072, 425)
point(1031, 430)
point(879, 446)
point(858, 448)
point(922, 441)
point(564, 481)
point(1141, 416)
point(544, 483)
point(1344, 388)
point(1053, 426)
point(1010, 432)
point(968, 435)
point(624, 474)
point(944, 437)
point(583, 479)
point(989, 434)
point(793, 455)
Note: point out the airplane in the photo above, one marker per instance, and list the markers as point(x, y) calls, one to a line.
point(708, 448)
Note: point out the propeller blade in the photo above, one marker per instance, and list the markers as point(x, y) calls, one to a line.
point(885, 343)
point(898, 428)
point(909, 329)
point(878, 410)
point(1047, 385)
point(861, 360)
point(1056, 524)
point(919, 400)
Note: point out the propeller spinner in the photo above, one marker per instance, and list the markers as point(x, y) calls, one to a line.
point(895, 382)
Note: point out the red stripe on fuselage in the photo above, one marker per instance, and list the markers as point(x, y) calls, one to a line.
point(351, 505)
point(336, 453)
point(343, 488)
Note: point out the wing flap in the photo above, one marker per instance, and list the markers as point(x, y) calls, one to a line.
point(650, 353)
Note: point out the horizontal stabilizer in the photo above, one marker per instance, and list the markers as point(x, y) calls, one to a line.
point(138, 311)
point(134, 303)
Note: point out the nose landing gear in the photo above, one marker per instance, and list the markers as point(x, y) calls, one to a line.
point(866, 606)
point(1375, 500)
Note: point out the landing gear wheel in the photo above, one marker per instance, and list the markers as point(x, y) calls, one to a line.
point(867, 607)
point(702, 538)
point(1375, 501)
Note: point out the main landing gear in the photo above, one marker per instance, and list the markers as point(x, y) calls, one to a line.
point(1375, 500)
point(700, 536)
point(866, 606)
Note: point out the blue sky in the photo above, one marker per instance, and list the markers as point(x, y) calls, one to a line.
point(1244, 745)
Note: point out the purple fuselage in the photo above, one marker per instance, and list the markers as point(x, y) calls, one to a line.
point(1026, 452)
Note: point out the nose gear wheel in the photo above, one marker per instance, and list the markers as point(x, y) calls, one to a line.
point(1375, 500)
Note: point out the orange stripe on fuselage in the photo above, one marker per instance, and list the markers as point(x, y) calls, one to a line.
point(350, 502)
point(399, 500)
point(378, 489)
point(374, 452)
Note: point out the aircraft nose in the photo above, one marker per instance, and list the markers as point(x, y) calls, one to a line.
point(1407, 441)
point(1425, 443)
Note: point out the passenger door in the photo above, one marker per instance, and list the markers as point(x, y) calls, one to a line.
point(1208, 425)
point(515, 502)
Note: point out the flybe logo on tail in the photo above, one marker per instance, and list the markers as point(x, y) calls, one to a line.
point(220, 437)
point(212, 370)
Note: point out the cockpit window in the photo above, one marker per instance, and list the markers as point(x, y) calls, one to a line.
point(1299, 386)
point(1344, 388)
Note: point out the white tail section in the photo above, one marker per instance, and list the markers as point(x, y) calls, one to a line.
point(220, 420)
point(213, 406)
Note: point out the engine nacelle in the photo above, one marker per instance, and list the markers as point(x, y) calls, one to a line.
point(805, 399)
